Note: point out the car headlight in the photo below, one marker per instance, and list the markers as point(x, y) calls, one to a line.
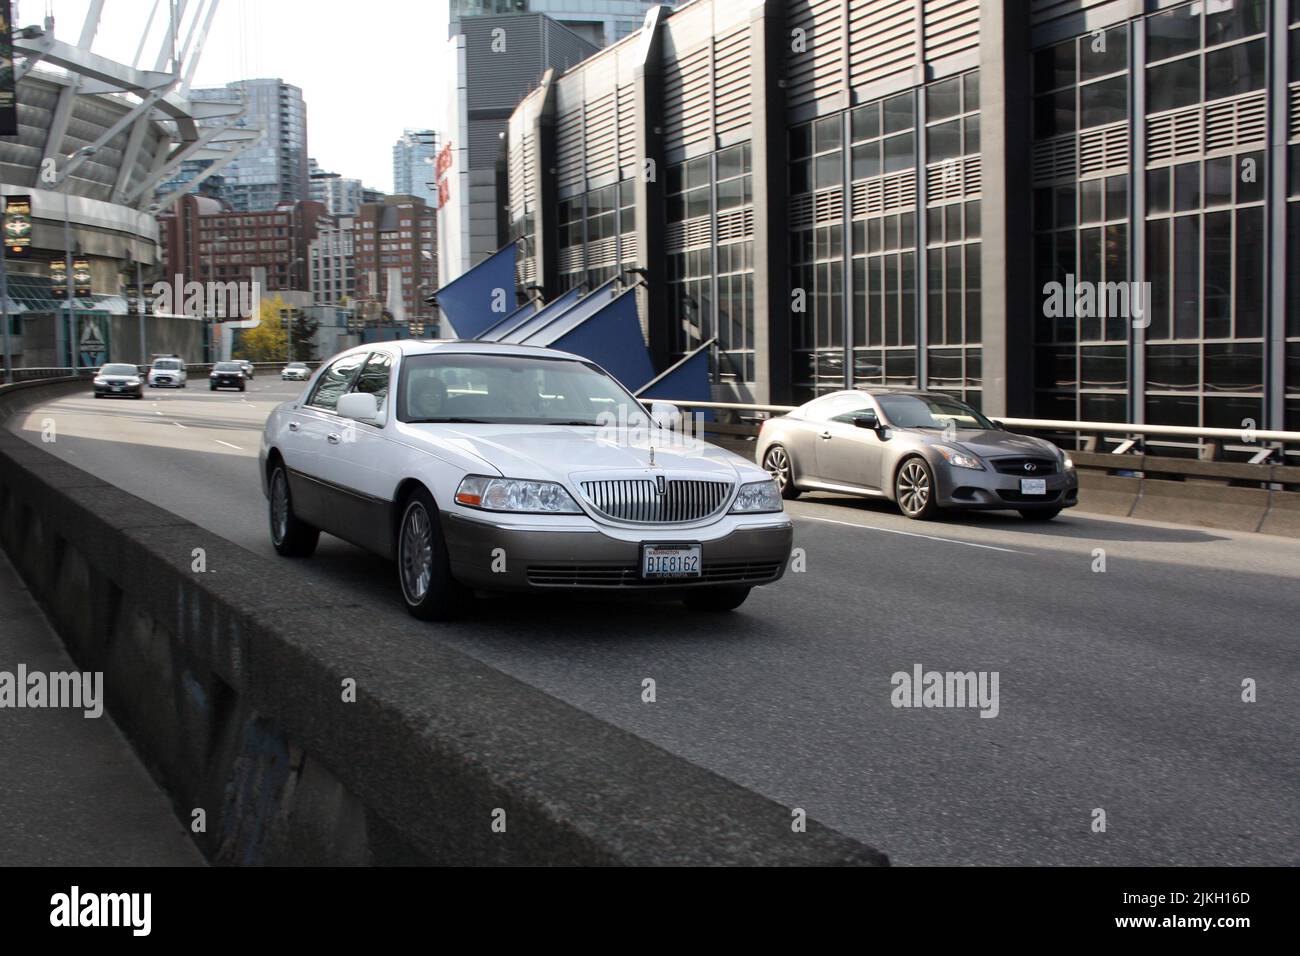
point(756, 497)
point(133, 381)
point(1067, 463)
point(100, 381)
point(959, 459)
point(515, 494)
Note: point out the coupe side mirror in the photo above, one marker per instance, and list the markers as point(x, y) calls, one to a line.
point(359, 406)
point(665, 415)
point(866, 420)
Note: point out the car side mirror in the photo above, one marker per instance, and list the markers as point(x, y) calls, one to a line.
point(359, 406)
point(866, 420)
point(999, 425)
point(665, 415)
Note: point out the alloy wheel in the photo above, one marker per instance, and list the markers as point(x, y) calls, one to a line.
point(416, 553)
point(913, 487)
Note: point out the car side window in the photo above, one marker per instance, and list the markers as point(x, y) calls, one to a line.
point(374, 378)
point(831, 407)
point(851, 410)
point(334, 383)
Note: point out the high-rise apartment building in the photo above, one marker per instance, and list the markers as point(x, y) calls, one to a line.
point(413, 172)
point(275, 170)
point(395, 245)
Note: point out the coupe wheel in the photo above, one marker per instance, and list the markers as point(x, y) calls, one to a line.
point(777, 464)
point(291, 537)
point(914, 489)
point(423, 567)
point(716, 600)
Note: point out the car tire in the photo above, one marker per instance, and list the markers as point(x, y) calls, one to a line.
point(212, 388)
point(914, 489)
point(290, 536)
point(1039, 514)
point(716, 600)
point(423, 565)
point(778, 464)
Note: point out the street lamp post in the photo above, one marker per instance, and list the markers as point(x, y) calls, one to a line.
point(217, 244)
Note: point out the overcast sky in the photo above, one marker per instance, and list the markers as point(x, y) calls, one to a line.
point(367, 68)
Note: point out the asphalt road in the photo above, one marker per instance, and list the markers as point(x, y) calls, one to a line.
point(1118, 690)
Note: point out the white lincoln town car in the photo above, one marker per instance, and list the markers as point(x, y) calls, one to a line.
point(477, 466)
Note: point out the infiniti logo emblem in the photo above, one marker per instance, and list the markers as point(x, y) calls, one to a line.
point(1030, 466)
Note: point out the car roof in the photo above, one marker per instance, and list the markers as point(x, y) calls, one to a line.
point(407, 347)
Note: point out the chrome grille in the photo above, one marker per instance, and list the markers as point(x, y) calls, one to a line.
point(638, 500)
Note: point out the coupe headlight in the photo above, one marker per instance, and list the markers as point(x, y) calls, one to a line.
point(514, 494)
point(1067, 463)
point(756, 497)
point(960, 459)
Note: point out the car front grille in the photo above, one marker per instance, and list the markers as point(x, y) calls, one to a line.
point(626, 576)
point(639, 500)
point(1016, 466)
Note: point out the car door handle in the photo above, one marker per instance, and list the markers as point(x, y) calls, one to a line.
point(294, 426)
point(825, 436)
point(332, 438)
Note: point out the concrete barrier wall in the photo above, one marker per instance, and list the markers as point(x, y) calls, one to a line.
point(230, 678)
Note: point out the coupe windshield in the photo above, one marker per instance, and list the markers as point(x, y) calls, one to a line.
point(511, 389)
point(118, 370)
point(930, 411)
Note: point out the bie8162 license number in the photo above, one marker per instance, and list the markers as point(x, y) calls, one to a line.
point(670, 561)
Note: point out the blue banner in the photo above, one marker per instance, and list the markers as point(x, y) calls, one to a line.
point(521, 314)
point(478, 299)
point(517, 320)
point(611, 337)
point(591, 302)
point(687, 380)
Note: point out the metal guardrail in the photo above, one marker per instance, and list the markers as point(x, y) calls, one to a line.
point(1211, 442)
point(30, 374)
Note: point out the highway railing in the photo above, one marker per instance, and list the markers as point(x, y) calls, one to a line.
point(310, 730)
point(198, 368)
point(1163, 472)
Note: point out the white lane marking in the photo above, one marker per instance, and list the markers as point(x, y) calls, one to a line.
point(910, 534)
point(227, 444)
point(178, 424)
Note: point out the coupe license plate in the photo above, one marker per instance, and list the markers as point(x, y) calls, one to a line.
point(1033, 486)
point(670, 561)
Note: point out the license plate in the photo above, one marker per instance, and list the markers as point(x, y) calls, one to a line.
point(117, 388)
point(1033, 486)
point(670, 561)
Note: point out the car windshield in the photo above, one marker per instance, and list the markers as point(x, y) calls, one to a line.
point(511, 389)
point(295, 365)
point(229, 367)
point(930, 411)
point(167, 364)
point(117, 370)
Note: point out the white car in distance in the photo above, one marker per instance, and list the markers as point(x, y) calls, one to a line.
point(478, 466)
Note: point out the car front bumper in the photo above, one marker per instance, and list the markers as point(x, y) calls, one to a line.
point(992, 490)
point(576, 554)
point(122, 390)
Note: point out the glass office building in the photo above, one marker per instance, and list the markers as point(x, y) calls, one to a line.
point(917, 193)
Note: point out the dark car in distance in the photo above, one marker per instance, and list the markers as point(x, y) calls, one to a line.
point(226, 375)
point(118, 379)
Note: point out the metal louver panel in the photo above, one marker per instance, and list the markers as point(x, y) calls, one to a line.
point(627, 247)
point(637, 500)
point(884, 194)
point(1174, 134)
point(599, 134)
point(688, 105)
point(1055, 159)
point(1101, 149)
point(814, 50)
point(568, 148)
point(950, 27)
point(570, 259)
point(953, 179)
point(603, 252)
point(689, 232)
point(626, 127)
point(1236, 123)
point(882, 38)
point(732, 94)
point(1295, 111)
point(737, 224)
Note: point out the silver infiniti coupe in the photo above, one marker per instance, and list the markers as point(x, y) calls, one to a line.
point(925, 451)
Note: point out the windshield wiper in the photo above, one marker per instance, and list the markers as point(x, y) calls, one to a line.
point(590, 424)
point(449, 421)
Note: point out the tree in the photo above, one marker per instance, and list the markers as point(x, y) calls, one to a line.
point(267, 341)
point(304, 337)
